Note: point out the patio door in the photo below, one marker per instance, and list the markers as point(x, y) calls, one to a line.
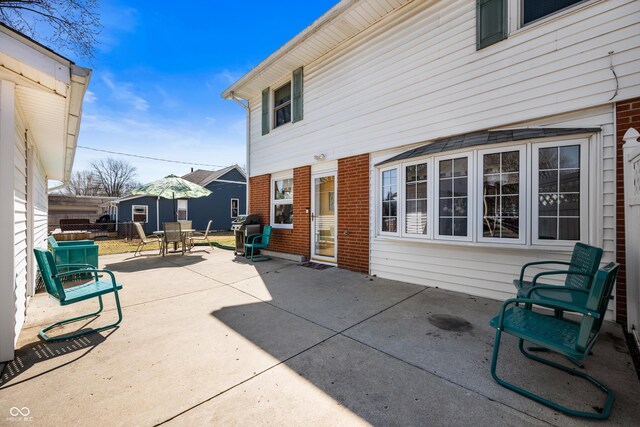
point(323, 217)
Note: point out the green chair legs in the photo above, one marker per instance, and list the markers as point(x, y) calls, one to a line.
point(43, 332)
point(606, 410)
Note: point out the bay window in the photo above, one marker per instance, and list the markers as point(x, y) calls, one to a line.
point(282, 202)
point(532, 193)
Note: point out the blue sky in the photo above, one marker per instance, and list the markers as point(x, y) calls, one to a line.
point(159, 71)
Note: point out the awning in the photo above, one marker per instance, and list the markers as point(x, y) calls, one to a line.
point(489, 137)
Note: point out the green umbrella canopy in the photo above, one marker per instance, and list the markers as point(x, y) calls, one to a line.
point(172, 187)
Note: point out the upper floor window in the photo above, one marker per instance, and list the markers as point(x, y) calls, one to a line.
point(493, 22)
point(285, 104)
point(282, 105)
point(532, 10)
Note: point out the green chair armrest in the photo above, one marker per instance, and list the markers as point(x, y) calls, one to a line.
point(93, 271)
point(524, 267)
point(252, 237)
point(555, 305)
point(561, 272)
point(555, 288)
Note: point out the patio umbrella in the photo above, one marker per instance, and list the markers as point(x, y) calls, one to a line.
point(172, 187)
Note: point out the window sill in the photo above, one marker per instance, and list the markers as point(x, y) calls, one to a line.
point(563, 248)
point(282, 226)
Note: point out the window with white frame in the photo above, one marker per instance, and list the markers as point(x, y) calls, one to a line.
point(416, 199)
point(502, 182)
point(483, 195)
point(389, 187)
point(560, 189)
point(282, 202)
point(182, 210)
point(453, 197)
point(140, 213)
point(235, 205)
point(282, 105)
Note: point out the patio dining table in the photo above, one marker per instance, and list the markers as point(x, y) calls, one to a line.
point(185, 234)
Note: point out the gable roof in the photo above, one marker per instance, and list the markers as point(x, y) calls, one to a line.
point(205, 177)
point(338, 25)
point(475, 139)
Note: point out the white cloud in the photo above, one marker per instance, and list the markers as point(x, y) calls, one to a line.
point(124, 92)
point(90, 97)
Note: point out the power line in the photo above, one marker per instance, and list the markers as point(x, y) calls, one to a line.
point(150, 158)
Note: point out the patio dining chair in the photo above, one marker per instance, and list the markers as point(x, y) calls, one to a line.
point(258, 241)
point(186, 224)
point(172, 234)
point(144, 239)
point(201, 237)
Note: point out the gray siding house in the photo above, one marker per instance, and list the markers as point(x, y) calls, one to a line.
point(228, 197)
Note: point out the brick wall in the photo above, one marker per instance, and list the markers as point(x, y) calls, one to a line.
point(627, 116)
point(353, 213)
point(298, 239)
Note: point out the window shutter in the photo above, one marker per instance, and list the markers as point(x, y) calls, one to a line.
point(297, 95)
point(491, 17)
point(265, 111)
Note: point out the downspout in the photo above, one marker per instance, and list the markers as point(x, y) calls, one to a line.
point(248, 143)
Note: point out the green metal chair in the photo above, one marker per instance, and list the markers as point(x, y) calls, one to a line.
point(65, 296)
point(258, 241)
point(570, 339)
point(74, 251)
point(584, 263)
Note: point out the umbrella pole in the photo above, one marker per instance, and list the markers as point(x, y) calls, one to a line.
point(175, 209)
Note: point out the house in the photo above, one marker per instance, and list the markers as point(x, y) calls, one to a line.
point(226, 201)
point(446, 143)
point(66, 207)
point(41, 95)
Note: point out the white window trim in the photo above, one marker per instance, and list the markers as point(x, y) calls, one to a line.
point(522, 192)
point(402, 196)
point(274, 202)
point(237, 207)
point(146, 212)
point(584, 191)
point(399, 209)
point(471, 212)
point(186, 209)
point(516, 18)
point(272, 101)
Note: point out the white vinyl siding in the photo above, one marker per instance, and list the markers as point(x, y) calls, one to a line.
point(416, 76)
point(20, 220)
point(487, 270)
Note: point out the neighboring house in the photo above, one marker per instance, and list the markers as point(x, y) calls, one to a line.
point(226, 201)
point(62, 206)
point(41, 97)
point(446, 143)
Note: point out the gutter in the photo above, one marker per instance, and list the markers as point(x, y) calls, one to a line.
point(80, 78)
point(248, 145)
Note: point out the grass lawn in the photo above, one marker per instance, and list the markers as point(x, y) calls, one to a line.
point(121, 246)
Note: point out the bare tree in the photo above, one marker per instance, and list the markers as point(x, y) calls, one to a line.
point(116, 177)
point(84, 183)
point(70, 24)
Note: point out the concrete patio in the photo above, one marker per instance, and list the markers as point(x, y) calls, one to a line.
point(210, 340)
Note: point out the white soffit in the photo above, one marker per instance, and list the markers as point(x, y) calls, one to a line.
point(45, 117)
point(339, 24)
